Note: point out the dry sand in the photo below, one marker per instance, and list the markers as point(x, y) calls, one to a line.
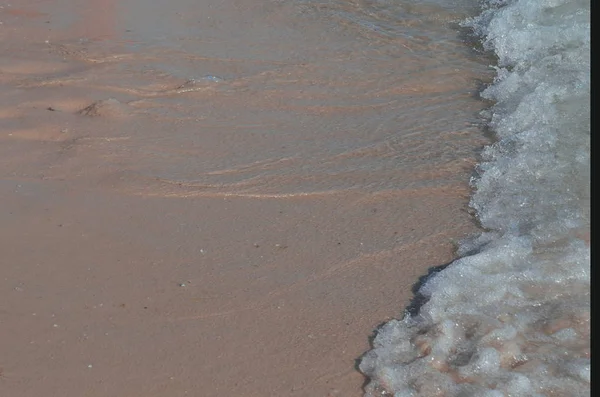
point(232, 236)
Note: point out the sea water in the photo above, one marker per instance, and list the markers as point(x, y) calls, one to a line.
point(346, 130)
point(511, 316)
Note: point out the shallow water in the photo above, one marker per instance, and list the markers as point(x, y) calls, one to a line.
point(372, 96)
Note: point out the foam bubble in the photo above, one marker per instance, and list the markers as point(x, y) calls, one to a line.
point(511, 317)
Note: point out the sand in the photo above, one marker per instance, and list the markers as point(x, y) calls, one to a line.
point(230, 213)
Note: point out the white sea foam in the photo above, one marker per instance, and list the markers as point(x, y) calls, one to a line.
point(511, 317)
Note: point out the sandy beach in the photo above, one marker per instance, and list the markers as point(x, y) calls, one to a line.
point(219, 198)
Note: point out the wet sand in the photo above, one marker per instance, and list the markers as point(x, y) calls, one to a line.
point(219, 198)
